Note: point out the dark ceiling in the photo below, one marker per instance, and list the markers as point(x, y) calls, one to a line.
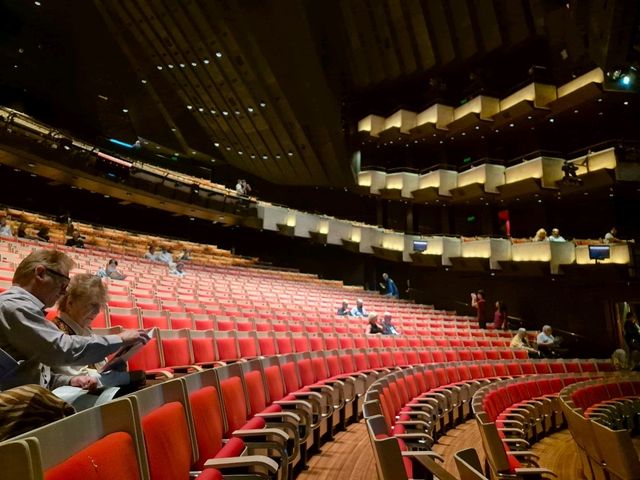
point(275, 88)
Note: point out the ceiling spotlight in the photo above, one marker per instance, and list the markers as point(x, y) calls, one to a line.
point(182, 65)
point(250, 109)
point(264, 157)
point(277, 155)
point(511, 125)
point(228, 147)
point(213, 112)
point(290, 154)
point(477, 128)
point(205, 61)
point(225, 113)
point(219, 54)
point(253, 156)
point(551, 120)
point(626, 80)
point(143, 81)
point(170, 65)
point(189, 107)
point(200, 109)
point(463, 134)
point(529, 117)
point(625, 102)
point(599, 100)
point(124, 110)
point(194, 64)
point(216, 144)
point(576, 111)
point(237, 112)
point(173, 129)
point(263, 104)
point(159, 67)
point(240, 152)
point(37, 4)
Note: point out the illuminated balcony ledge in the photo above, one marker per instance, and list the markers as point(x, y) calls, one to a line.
point(351, 245)
point(372, 125)
point(318, 237)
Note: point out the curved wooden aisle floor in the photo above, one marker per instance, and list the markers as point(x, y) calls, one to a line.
point(349, 455)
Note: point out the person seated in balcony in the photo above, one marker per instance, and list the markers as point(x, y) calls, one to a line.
point(183, 256)
point(555, 236)
point(76, 240)
point(77, 309)
point(631, 332)
point(521, 342)
point(373, 328)
point(165, 256)
point(111, 271)
point(387, 327)
point(43, 234)
point(22, 231)
point(540, 236)
point(358, 310)
point(612, 236)
point(389, 286)
point(344, 310)
point(5, 228)
point(177, 270)
point(152, 254)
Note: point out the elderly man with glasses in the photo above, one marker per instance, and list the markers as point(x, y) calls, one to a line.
point(34, 342)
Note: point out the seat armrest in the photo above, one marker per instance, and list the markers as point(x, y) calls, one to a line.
point(259, 461)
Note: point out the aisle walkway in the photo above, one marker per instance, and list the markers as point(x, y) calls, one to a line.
point(348, 456)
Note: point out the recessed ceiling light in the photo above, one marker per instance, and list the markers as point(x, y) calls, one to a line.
point(600, 113)
point(31, 165)
point(219, 54)
point(159, 67)
point(205, 61)
point(216, 144)
point(228, 147)
point(529, 117)
point(170, 65)
point(237, 112)
point(599, 99)
point(213, 112)
point(625, 102)
point(477, 128)
point(253, 156)
point(225, 113)
point(290, 154)
point(176, 154)
point(124, 110)
point(182, 65)
point(240, 152)
point(189, 107)
point(264, 157)
point(157, 147)
point(576, 111)
point(551, 120)
point(250, 109)
point(511, 125)
point(263, 104)
point(194, 64)
point(277, 155)
point(143, 81)
point(200, 109)
point(173, 129)
point(37, 4)
point(193, 153)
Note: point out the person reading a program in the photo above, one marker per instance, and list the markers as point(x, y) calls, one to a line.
point(78, 307)
point(36, 344)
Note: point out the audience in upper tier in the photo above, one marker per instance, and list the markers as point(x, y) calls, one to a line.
point(358, 310)
point(540, 236)
point(165, 256)
point(38, 282)
point(76, 240)
point(43, 234)
point(612, 236)
point(78, 307)
point(22, 230)
point(111, 271)
point(177, 269)
point(5, 228)
point(389, 286)
point(387, 327)
point(344, 310)
point(373, 328)
point(243, 188)
point(555, 236)
point(183, 256)
point(152, 254)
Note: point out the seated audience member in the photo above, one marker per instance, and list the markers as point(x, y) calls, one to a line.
point(372, 327)
point(78, 307)
point(183, 256)
point(240, 187)
point(177, 270)
point(546, 342)
point(358, 310)
point(389, 286)
point(612, 236)
point(111, 271)
point(165, 256)
point(387, 326)
point(540, 236)
point(43, 234)
point(520, 341)
point(500, 316)
point(76, 240)
point(152, 254)
point(5, 228)
point(22, 230)
point(555, 236)
point(631, 332)
point(39, 280)
point(344, 310)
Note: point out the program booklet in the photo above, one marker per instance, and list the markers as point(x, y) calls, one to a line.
point(119, 359)
point(83, 399)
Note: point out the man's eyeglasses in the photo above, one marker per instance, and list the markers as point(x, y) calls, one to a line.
point(58, 275)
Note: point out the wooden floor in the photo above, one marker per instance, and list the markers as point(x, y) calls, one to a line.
point(349, 455)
